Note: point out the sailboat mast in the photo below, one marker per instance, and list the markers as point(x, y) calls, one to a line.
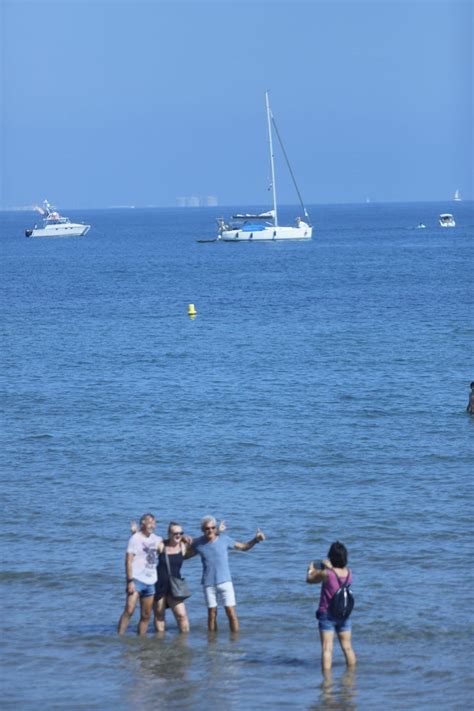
point(270, 142)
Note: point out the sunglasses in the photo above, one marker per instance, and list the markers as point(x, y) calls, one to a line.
point(210, 528)
point(178, 533)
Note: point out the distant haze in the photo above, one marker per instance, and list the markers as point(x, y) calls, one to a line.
point(146, 103)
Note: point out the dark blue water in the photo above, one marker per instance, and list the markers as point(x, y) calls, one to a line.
point(320, 393)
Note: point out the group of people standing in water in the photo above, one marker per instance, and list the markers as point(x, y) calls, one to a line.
point(151, 563)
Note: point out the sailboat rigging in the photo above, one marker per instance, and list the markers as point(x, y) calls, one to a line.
point(265, 226)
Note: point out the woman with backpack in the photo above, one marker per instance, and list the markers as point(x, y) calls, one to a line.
point(335, 604)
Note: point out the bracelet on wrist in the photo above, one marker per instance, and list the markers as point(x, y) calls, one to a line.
point(129, 580)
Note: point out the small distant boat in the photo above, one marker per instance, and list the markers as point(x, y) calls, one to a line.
point(420, 226)
point(446, 220)
point(457, 196)
point(248, 227)
point(55, 225)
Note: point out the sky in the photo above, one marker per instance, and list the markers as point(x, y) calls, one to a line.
point(137, 102)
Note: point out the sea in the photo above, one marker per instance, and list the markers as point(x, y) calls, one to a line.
point(319, 394)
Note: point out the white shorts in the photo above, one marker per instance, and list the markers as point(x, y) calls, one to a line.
point(225, 591)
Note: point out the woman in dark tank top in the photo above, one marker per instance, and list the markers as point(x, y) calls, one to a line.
point(176, 549)
point(175, 560)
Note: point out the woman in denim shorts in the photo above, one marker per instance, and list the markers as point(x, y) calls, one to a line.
point(331, 573)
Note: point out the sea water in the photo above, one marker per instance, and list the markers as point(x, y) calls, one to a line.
point(319, 394)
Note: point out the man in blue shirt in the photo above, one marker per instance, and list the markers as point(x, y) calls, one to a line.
point(213, 549)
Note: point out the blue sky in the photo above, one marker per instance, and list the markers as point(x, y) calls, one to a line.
point(120, 102)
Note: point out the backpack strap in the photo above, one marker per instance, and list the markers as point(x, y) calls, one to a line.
point(348, 577)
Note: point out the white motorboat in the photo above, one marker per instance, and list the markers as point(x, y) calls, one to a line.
point(248, 227)
point(421, 226)
point(446, 220)
point(55, 225)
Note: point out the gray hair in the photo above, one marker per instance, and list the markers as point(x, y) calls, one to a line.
point(206, 520)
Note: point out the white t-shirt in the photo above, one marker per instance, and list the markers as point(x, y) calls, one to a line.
point(145, 556)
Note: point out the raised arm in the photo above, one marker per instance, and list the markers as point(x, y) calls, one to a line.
point(259, 536)
point(189, 551)
point(187, 547)
point(316, 575)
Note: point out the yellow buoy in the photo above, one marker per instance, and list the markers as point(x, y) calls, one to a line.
point(191, 310)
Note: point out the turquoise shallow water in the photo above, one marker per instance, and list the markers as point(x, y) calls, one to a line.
point(320, 393)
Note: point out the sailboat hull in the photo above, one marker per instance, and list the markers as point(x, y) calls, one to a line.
point(268, 233)
point(249, 227)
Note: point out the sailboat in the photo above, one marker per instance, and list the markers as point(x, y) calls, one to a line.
point(457, 196)
point(264, 226)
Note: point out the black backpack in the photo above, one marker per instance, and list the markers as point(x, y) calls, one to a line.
point(342, 602)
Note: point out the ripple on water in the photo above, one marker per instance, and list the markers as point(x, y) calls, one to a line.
point(337, 415)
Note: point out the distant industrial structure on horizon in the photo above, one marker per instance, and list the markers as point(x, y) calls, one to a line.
point(197, 201)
